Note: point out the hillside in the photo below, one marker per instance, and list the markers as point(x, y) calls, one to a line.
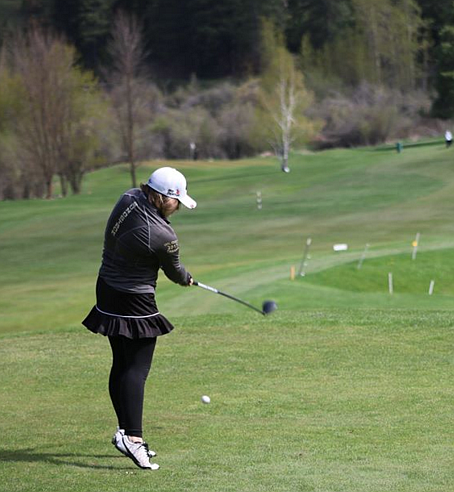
point(51, 249)
point(345, 388)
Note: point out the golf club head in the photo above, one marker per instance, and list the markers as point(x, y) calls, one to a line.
point(268, 307)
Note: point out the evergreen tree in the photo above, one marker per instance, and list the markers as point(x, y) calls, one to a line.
point(439, 20)
point(380, 47)
point(321, 20)
point(437, 14)
point(203, 37)
point(87, 24)
point(37, 12)
point(443, 106)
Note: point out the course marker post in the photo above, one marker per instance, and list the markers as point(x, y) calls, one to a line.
point(431, 287)
point(303, 265)
point(415, 246)
point(390, 283)
point(363, 256)
point(259, 200)
point(292, 273)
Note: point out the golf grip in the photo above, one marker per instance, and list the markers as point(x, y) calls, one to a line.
point(216, 291)
point(207, 287)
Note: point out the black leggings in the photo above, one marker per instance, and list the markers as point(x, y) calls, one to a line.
point(130, 367)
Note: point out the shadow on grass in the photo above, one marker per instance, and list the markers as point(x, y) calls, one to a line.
point(78, 460)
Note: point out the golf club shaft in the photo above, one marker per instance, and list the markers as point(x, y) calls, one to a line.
point(216, 291)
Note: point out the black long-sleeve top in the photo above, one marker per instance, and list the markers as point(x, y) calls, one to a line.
point(138, 241)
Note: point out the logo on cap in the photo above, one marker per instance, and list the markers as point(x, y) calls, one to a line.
point(171, 192)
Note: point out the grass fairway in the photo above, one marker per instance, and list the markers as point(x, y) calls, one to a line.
point(313, 401)
point(345, 388)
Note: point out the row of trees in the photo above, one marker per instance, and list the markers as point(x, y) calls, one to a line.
point(57, 120)
point(386, 45)
point(403, 44)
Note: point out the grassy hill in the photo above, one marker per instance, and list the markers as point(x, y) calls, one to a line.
point(51, 250)
point(345, 388)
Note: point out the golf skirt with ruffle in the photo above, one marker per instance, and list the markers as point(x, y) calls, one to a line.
point(122, 314)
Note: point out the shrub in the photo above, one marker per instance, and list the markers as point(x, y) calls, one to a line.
point(368, 116)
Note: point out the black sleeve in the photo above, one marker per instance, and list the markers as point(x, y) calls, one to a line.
point(168, 252)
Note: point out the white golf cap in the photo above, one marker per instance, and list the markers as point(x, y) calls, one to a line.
point(170, 182)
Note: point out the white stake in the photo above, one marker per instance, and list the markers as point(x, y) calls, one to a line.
point(363, 256)
point(259, 200)
point(303, 265)
point(390, 283)
point(431, 287)
point(415, 246)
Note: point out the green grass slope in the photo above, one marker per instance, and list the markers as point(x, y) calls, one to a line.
point(345, 388)
point(50, 250)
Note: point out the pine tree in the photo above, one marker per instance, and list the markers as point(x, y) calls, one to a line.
point(87, 24)
point(443, 106)
point(320, 20)
point(438, 56)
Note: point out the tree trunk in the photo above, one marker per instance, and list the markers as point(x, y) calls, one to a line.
point(132, 167)
point(76, 183)
point(49, 188)
point(130, 131)
point(285, 153)
point(63, 185)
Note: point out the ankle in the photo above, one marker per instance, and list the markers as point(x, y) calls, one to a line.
point(135, 439)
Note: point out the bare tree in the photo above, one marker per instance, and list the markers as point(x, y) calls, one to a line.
point(283, 95)
point(285, 99)
point(283, 108)
point(35, 56)
point(128, 55)
point(53, 128)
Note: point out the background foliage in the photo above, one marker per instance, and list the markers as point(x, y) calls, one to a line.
point(368, 72)
point(212, 39)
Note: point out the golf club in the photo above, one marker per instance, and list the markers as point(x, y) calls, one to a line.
point(267, 306)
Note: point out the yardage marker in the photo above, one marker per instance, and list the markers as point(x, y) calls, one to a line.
point(415, 246)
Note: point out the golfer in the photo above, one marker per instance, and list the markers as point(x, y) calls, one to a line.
point(138, 241)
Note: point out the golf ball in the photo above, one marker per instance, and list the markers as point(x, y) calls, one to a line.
point(205, 399)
